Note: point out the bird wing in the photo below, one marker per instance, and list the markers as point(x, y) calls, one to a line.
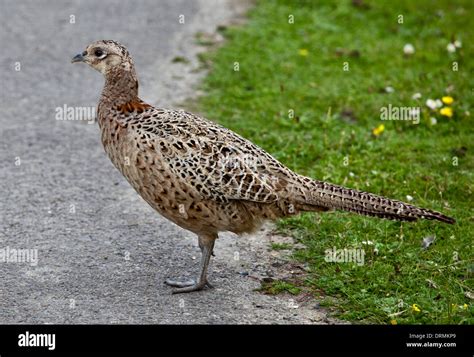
point(217, 162)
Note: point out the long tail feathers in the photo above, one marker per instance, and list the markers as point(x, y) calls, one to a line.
point(326, 195)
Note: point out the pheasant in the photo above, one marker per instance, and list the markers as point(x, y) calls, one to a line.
point(204, 177)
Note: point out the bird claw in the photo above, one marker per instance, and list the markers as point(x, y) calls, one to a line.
point(187, 285)
point(180, 283)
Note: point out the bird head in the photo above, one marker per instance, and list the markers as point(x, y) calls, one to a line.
point(105, 55)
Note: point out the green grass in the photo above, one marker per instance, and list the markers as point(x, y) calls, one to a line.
point(330, 138)
point(277, 287)
point(280, 246)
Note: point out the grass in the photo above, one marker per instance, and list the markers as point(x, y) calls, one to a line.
point(280, 246)
point(277, 287)
point(291, 96)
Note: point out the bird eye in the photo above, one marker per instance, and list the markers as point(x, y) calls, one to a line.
point(98, 53)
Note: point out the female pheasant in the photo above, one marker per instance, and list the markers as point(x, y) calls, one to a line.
point(204, 177)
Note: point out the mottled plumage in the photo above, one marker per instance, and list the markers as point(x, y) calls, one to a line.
point(204, 177)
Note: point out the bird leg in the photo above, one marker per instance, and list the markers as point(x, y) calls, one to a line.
point(206, 243)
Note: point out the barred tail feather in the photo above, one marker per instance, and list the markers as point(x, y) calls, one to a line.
point(323, 194)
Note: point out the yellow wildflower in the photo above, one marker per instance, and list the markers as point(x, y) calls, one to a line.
point(415, 308)
point(446, 111)
point(303, 52)
point(464, 306)
point(378, 130)
point(393, 322)
point(447, 100)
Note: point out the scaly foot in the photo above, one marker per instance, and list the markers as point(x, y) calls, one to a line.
point(187, 286)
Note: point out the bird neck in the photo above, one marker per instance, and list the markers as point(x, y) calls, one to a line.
point(121, 86)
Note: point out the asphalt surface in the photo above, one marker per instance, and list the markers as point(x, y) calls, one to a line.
point(102, 252)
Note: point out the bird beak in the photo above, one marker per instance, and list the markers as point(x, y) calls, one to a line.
point(78, 58)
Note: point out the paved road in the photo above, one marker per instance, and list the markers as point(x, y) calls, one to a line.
point(103, 253)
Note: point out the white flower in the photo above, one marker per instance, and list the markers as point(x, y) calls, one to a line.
point(433, 121)
point(430, 103)
point(351, 174)
point(409, 198)
point(439, 103)
point(408, 49)
point(451, 47)
point(367, 242)
point(457, 44)
point(389, 89)
point(427, 241)
point(416, 96)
